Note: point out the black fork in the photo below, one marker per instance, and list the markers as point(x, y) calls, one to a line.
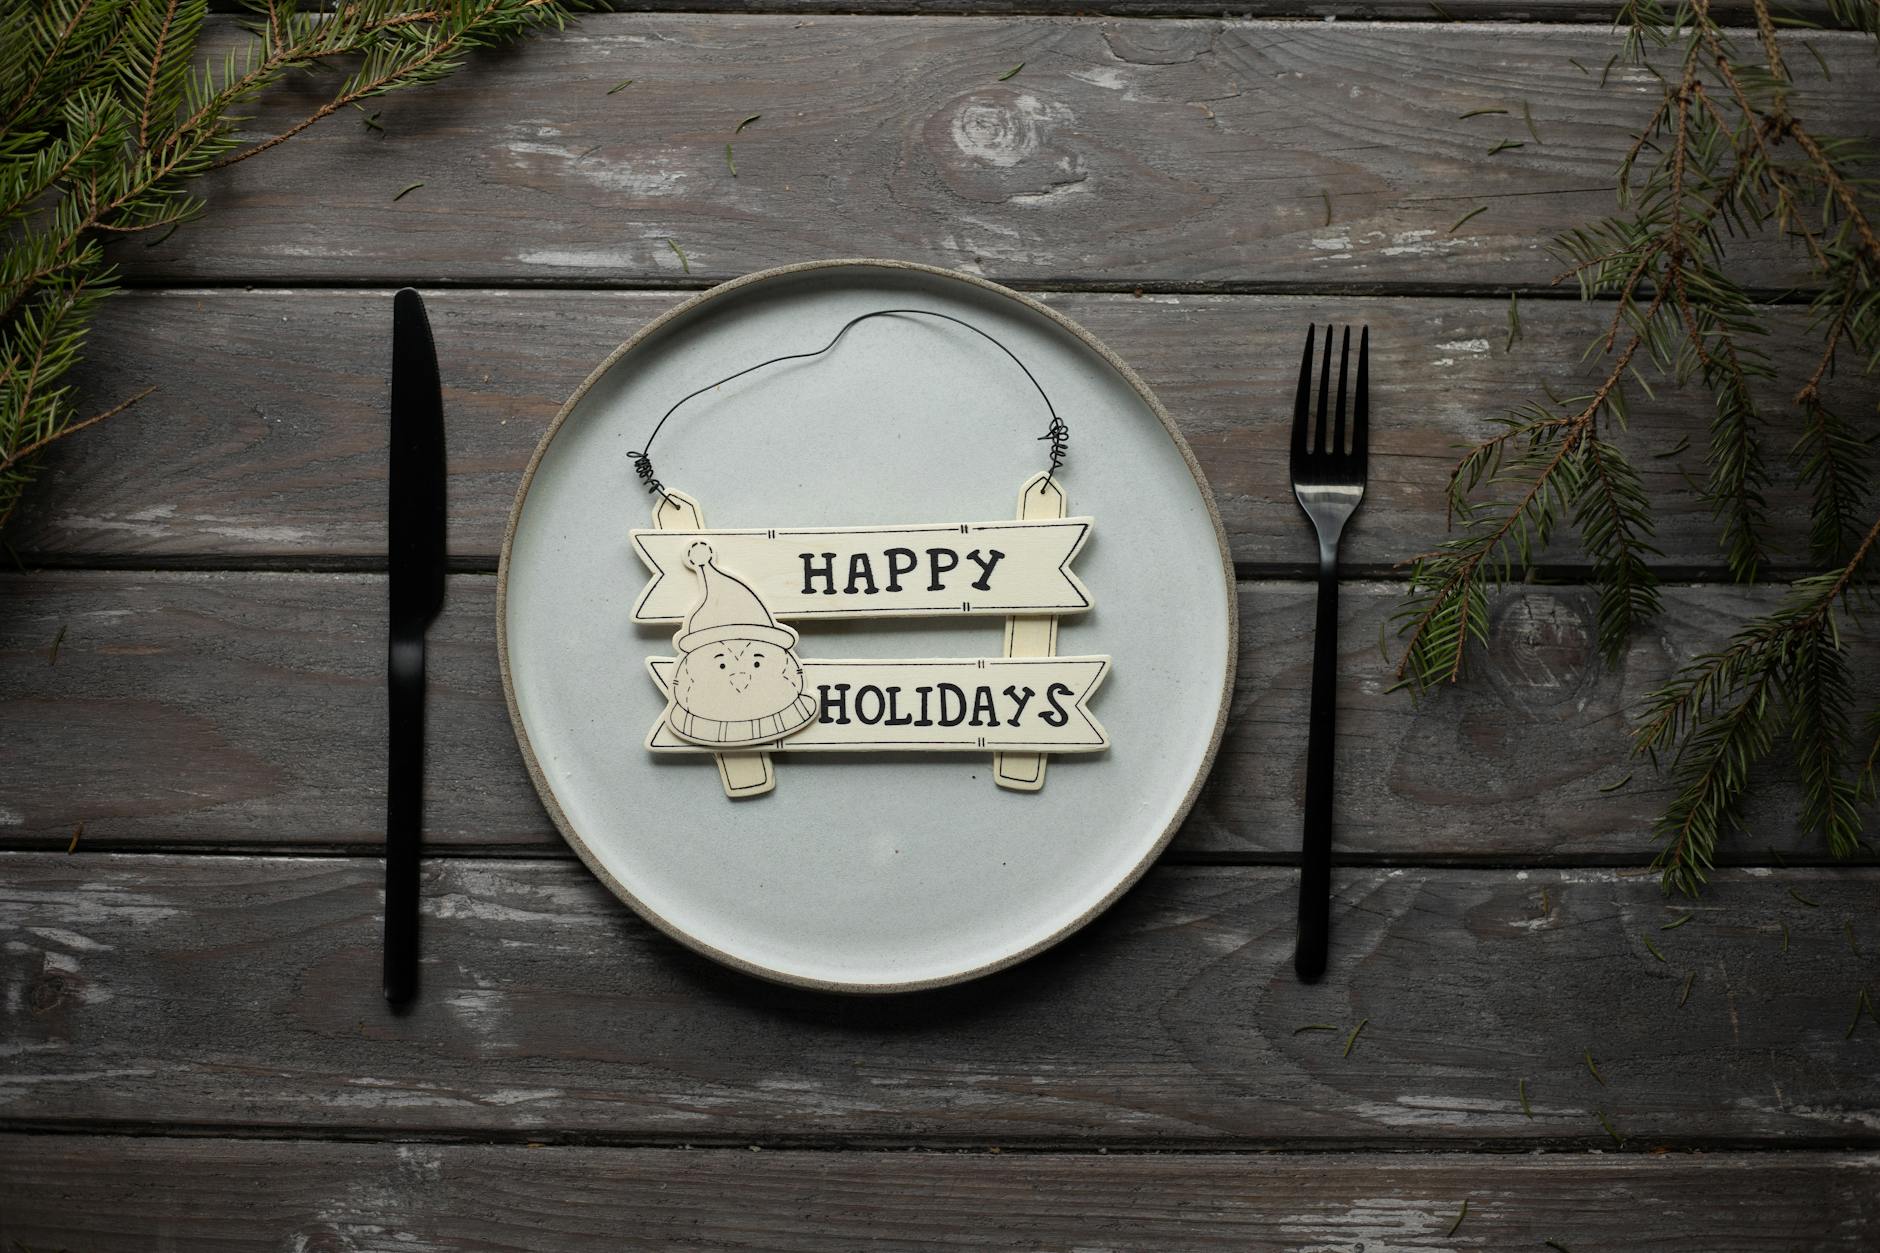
point(1328, 480)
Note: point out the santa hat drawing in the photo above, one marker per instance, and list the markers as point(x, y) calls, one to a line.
point(728, 609)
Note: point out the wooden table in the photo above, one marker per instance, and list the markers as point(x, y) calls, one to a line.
point(194, 1052)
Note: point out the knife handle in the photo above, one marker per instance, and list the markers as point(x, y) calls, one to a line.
point(404, 815)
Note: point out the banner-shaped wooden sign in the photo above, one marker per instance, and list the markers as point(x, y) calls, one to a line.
point(1031, 704)
point(929, 570)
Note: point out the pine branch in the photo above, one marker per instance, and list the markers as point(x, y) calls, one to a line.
point(1722, 155)
point(109, 123)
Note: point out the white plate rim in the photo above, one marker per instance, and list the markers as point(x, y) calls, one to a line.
point(593, 862)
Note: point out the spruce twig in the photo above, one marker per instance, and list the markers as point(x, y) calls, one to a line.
point(1722, 154)
point(111, 113)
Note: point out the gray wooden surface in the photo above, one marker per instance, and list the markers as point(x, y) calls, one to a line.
point(193, 1053)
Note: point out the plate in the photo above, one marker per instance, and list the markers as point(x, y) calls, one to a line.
point(865, 872)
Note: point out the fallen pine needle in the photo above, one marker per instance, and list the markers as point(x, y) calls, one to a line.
point(80, 830)
point(1803, 899)
point(1592, 1069)
point(1785, 937)
point(1012, 73)
point(1353, 1037)
point(1527, 115)
point(1652, 948)
point(1327, 197)
point(53, 660)
point(406, 191)
point(1686, 994)
point(621, 85)
point(1514, 326)
point(679, 253)
point(1862, 1005)
point(1852, 943)
point(1521, 1087)
point(747, 121)
point(1464, 1213)
point(1607, 1124)
point(729, 163)
point(1504, 145)
point(1463, 117)
point(1481, 208)
point(1677, 922)
point(1556, 1245)
point(1314, 1026)
point(1613, 787)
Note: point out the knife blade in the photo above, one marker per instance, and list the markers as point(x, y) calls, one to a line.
point(415, 554)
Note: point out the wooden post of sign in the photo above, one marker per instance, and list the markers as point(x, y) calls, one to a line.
point(747, 772)
point(1031, 635)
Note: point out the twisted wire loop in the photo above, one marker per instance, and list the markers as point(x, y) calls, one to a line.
point(643, 467)
point(1057, 434)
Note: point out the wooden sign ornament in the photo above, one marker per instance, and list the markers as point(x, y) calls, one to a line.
point(738, 689)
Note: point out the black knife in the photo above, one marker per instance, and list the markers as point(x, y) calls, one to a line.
point(415, 535)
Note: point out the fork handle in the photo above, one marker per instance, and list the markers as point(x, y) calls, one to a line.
point(1315, 875)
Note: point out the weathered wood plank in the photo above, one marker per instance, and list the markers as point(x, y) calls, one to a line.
point(247, 710)
point(272, 446)
point(1729, 11)
point(1125, 152)
point(103, 1194)
point(219, 993)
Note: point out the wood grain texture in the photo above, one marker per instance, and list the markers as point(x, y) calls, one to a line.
point(248, 710)
point(272, 447)
point(105, 1194)
point(242, 992)
point(895, 137)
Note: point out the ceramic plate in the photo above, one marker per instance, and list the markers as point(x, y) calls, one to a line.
point(865, 872)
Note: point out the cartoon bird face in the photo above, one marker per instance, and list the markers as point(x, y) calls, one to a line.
point(737, 680)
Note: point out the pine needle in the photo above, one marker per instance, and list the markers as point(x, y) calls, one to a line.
point(1314, 1026)
point(684, 263)
point(1610, 1129)
point(1685, 995)
point(1327, 197)
point(1353, 1037)
point(622, 85)
point(1463, 117)
point(746, 122)
point(1653, 948)
point(80, 830)
point(729, 163)
point(1454, 226)
point(1853, 945)
point(1803, 899)
point(1460, 1215)
point(1613, 787)
point(1682, 444)
point(1677, 922)
point(1527, 115)
point(406, 191)
point(1514, 321)
point(1593, 1070)
point(1556, 1246)
point(1521, 1087)
point(52, 659)
point(1012, 73)
point(1504, 145)
point(1581, 68)
point(1785, 937)
point(1862, 1005)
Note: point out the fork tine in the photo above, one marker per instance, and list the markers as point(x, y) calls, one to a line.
point(1302, 403)
point(1325, 382)
point(1361, 403)
point(1338, 424)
